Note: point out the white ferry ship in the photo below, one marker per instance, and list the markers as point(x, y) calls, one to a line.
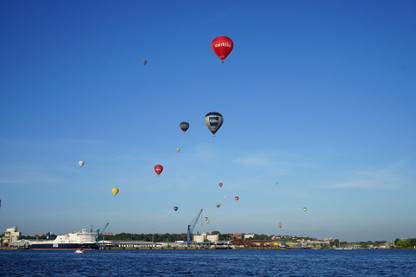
point(75, 240)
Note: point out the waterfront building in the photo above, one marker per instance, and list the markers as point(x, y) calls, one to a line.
point(10, 235)
point(248, 236)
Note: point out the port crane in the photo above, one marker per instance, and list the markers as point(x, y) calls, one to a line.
point(191, 228)
point(100, 233)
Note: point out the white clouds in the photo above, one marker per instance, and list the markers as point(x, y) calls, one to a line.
point(254, 161)
point(388, 177)
point(35, 180)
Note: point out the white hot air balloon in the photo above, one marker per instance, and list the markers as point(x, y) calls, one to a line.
point(213, 121)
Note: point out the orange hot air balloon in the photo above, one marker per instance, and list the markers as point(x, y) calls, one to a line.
point(280, 225)
point(222, 47)
point(237, 198)
point(220, 184)
point(158, 169)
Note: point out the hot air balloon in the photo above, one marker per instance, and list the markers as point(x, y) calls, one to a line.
point(218, 205)
point(220, 184)
point(213, 121)
point(222, 47)
point(225, 196)
point(178, 150)
point(81, 163)
point(144, 62)
point(184, 126)
point(305, 209)
point(280, 225)
point(237, 198)
point(175, 208)
point(114, 191)
point(158, 169)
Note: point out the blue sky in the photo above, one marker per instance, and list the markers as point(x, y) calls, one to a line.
point(318, 96)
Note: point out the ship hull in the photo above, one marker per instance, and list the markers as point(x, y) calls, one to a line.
point(63, 246)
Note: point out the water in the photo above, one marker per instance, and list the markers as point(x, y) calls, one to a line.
point(209, 263)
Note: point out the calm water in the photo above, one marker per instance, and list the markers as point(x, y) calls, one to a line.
point(209, 263)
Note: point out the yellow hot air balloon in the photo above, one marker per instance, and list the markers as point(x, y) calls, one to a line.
point(218, 205)
point(115, 191)
point(178, 149)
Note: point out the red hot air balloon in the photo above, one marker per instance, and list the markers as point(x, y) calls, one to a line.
point(237, 198)
point(220, 184)
point(222, 47)
point(158, 169)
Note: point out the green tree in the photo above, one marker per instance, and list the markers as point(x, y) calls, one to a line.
point(403, 243)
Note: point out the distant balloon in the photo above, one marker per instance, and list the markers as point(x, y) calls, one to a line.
point(81, 163)
point(305, 209)
point(158, 169)
point(280, 225)
point(144, 62)
point(184, 126)
point(114, 191)
point(225, 196)
point(213, 121)
point(220, 184)
point(237, 198)
point(175, 208)
point(218, 205)
point(222, 47)
point(178, 150)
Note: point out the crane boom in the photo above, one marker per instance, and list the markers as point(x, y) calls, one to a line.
point(100, 233)
point(191, 227)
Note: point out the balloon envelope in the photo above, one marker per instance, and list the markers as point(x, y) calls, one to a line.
point(178, 150)
point(114, 191)
point(220, 184)
point(81, 163)
point(158, 169)
point(218, 205)
point(144, 62)
point(305, 209)
point(237, 198)
point(222, 47)
point(214, 121)
point(184, 126)
point(280, 225)
point(175, 208)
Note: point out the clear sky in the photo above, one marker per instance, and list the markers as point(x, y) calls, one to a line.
point(319, 96)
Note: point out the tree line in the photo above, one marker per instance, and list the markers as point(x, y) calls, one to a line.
point(405, 243)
